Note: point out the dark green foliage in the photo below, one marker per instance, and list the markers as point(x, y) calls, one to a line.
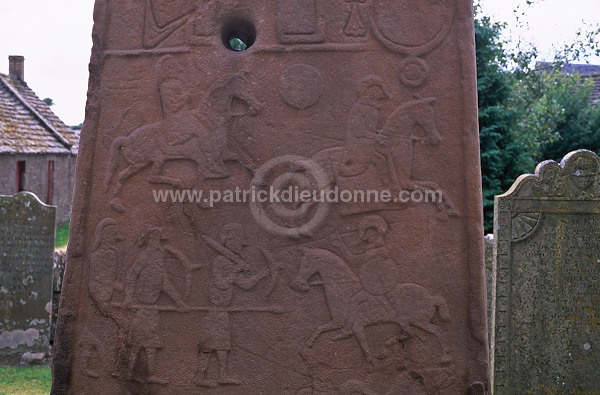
point(527, 114)
point(579, 125)
point(499, 149)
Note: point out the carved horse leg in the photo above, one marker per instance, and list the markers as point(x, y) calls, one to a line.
point(437, 333)
point(445, 204)
point(359, 332)
point(157, 178)
point(131, 170)
point(330, 326)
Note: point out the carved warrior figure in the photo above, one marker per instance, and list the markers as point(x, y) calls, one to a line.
point(199, 135)
point(228, 270)
point(104, 282)
point(146, 280)
point(104, 266)
point(373, 297)
point(364, 141)
point(389, 149)
point(378, 272)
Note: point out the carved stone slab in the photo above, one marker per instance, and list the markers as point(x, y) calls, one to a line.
point(547, 252)
point(179, 282)
point(26, 259)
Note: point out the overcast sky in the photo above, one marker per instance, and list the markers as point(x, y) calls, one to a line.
point(55, 38)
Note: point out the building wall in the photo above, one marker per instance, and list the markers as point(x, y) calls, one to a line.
point(36, 179)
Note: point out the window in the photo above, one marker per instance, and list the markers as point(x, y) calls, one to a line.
point(20, 176)
point(50, 192)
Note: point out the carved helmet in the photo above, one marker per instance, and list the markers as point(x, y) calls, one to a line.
point(372, 222)
point(148, 233)
point(370, 81)
point(231, 231)
point(102, 230)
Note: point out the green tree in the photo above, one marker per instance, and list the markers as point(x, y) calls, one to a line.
point(578, 125)
point(526, 113)
point(500, 151)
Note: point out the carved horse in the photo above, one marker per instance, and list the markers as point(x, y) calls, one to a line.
point(397, 151)
point(413, 307)
point(143, 148)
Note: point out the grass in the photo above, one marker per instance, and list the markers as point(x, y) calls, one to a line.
point(62, 236)
point(25, 381)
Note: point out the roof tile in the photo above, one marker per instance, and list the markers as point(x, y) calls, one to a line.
point(28, 125)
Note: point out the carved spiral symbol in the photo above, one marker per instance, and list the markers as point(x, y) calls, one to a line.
point(288, 191)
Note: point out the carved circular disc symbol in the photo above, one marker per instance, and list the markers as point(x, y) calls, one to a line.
point(301, 86)
point(414, 72)
point(412, 27)
point(282, 213)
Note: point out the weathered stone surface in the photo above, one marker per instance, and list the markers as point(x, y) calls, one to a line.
point(26, 244)
point(547, 248)
point(60, 259)
point(269, 297)
point(490, 272)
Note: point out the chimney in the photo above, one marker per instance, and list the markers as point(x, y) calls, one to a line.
point(16, 67)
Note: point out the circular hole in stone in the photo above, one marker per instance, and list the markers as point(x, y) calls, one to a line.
point(238, 34)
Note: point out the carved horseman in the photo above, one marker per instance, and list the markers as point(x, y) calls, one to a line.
point(183, 133)
point(378, 271)
point(363, 139)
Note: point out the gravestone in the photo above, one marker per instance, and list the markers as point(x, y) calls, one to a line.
point(27, 246)
point(547, 248)
point(490, 272)
point(223, 241)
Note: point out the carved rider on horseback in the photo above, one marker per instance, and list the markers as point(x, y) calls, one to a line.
point(364, 140)
point(180, 125)
point(378, 273)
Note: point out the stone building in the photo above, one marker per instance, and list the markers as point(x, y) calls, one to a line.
point(37, 150)
point(588, 72)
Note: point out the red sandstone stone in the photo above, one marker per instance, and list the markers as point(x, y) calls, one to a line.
point(303, 297)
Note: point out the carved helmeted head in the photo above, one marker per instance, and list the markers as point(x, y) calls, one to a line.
point(584, 172)
point(233, 238)
point(372, 229)
point(168, 68)
point(107, 233)
point(173, 97)
point(372, 89)
point(152, 237)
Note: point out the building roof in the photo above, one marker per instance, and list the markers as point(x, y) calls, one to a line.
point(28, 125)
point(595, 95)
point(583, 69)
point(586, 71)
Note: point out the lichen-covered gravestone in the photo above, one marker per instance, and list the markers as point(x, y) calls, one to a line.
point(490, 272)
point(547, 235)
point(209, 252)
point(26, 259)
